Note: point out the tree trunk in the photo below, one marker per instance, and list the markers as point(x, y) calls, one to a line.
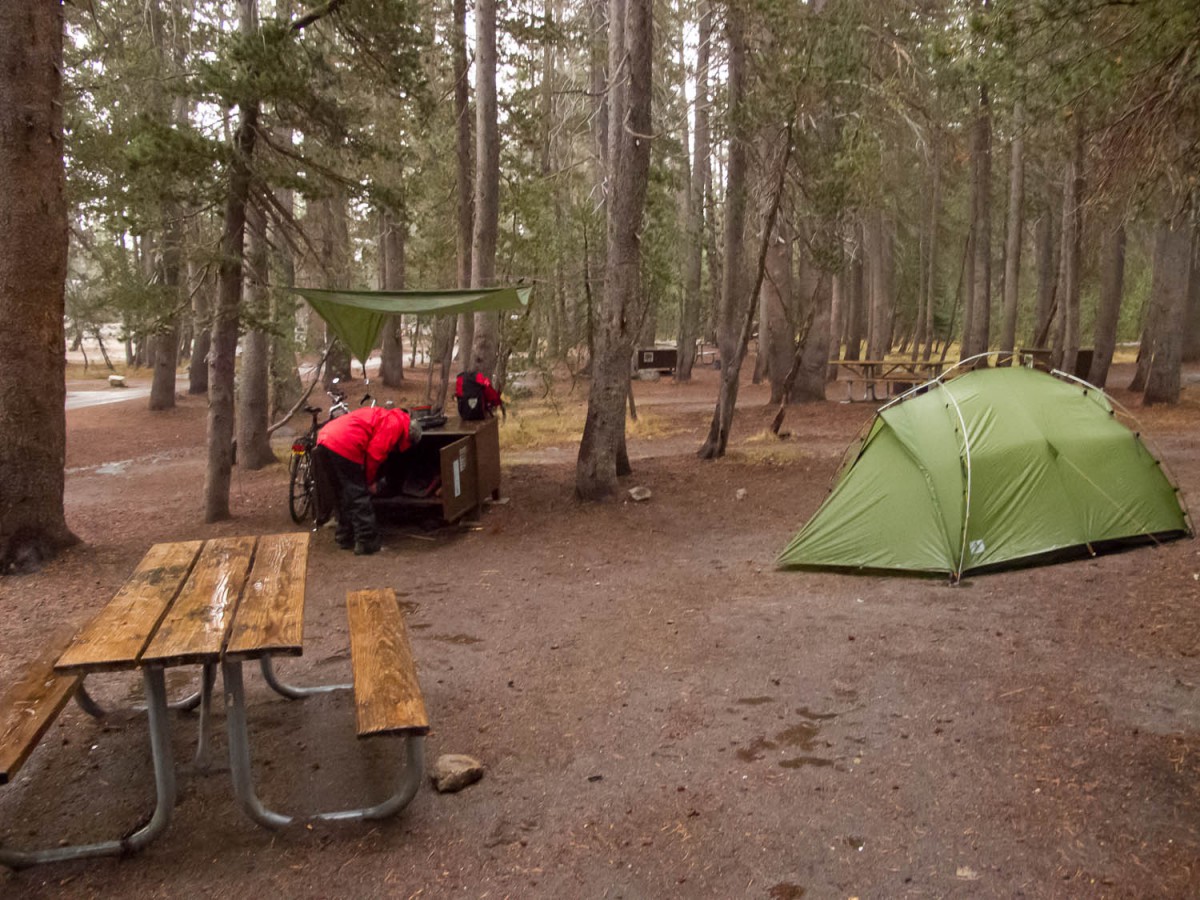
point(880, 248)
point(777, 331)
point(486, 342)
point(223, 353)
point(391, 278)
point(1169, 295)
point(1072, 249)
point(976, 338)
point(33, 269)
point(225, 322)
point(602, 454)
point(464, 198)
point(253, 414)
point(689, 324)
point(1047, 271)
point(1191, 338)
point(812, 374)
point(733, 294)
point(333, 245)
point(1112, 283)
point(201, 327)
point(1012, 241)
point(285, 374)
point(855, 295)
point(933, 245)
point(166, 337)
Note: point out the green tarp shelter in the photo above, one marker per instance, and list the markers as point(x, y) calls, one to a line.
point(994, 466)
point(357, 316)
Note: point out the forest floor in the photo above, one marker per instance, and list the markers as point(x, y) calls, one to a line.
point(662, 713)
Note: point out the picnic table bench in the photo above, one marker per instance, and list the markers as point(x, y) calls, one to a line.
point(215, 603)
point(888, 373)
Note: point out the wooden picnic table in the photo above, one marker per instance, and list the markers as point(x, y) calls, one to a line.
point(886, 372)
point(220, 603)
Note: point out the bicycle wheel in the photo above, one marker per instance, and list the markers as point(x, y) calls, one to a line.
point(301, 488)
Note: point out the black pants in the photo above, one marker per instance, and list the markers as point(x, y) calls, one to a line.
point(347, 481)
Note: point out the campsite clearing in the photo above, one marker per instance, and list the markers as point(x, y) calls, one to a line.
point(662, 712)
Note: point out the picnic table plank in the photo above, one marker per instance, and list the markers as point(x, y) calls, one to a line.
point(387, 695)
point(195, 627)
point(115, 637)
point(270, 617)
point(26, 711)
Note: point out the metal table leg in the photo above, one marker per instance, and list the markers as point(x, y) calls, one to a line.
point(207, 679)
point(291, 691)
point(88, 703)
point(408, 781)
point(164, 784)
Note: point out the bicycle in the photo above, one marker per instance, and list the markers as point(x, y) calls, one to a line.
point(302, 486)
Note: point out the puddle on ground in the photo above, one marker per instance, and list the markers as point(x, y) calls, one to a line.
point(802, 736)
point(814, 716)
point(754, 751)
point(754, 701)
point(785, 890)
point(114, 468)
point(456, 639)
point(800, 762)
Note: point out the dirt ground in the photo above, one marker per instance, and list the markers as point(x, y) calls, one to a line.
point(661, 712)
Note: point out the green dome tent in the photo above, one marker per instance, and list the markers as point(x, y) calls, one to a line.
point(991, 467)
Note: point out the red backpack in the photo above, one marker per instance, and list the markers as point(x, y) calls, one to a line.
point(470, 392)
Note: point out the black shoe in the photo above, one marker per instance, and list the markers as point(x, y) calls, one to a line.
point(346, 545)
point(366, 548)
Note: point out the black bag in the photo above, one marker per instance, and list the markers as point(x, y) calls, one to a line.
point(472, 404)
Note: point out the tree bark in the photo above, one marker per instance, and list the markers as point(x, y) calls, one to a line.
point(722, 422)
point(1047, 273)
point(1169, 295)
point(165, 339)
point(33, 269)
point(977, 326)
point(855, 295)
point(225, 323)
point(1012, 241)
point(464, 197)
point(602, 454)
point(391, 277)
point(1191, 339)
point(486, 341)
point(199, 282)
point(689, 330)
point(812, 371)
point(777, 331)
point(733, 294)
point(285, 374)
point(1112, 283)
point(880, 248)
point(1072, 250)
point(933, 250)
point(253, 415)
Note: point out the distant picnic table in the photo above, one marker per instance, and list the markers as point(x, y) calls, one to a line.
point(888, 373)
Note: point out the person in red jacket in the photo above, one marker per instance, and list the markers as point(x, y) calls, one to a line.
point(347, 457)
